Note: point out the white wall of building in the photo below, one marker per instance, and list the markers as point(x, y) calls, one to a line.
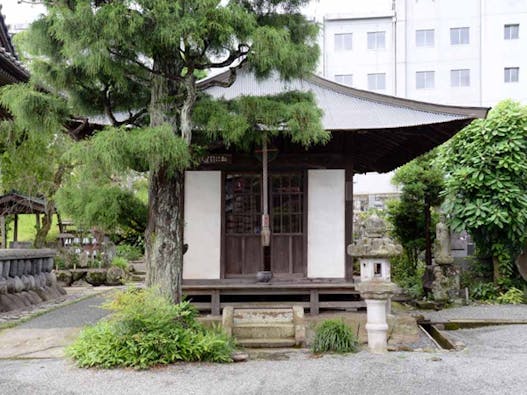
point(202, 225)
point(325, 224)
point(486, 55)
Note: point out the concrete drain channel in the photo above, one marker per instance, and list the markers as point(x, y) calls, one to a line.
point(440, 340)
point(435, 330)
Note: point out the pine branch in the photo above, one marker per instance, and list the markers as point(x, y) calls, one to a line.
point(144, 67)
point(232, 77)
point(241, 52)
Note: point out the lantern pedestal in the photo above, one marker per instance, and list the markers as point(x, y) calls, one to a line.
point(377, 294)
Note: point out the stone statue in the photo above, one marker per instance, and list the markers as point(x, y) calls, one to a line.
point(442, 244)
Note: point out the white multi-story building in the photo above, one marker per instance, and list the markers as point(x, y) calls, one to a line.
point(461, 52)
point(466, 52)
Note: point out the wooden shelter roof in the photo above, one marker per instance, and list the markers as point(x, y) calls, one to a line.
point(14, 203)
point(379, 132)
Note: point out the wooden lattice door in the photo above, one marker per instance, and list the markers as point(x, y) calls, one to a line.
point(243, 211)
point(243, 252)
point(287, 224)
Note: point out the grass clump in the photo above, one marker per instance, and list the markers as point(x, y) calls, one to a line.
point(147, 330)
point(334, 336)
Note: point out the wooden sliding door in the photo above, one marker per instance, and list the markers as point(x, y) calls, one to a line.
point(243, 253)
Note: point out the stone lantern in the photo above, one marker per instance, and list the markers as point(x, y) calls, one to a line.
point(374, 251)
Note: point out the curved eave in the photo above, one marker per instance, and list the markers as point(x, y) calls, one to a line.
point(465, 111)
point(384, 150)
point(344, 108)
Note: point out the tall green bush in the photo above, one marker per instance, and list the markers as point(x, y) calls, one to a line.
point(411, 217)
point(146, 330)
point(486, 187)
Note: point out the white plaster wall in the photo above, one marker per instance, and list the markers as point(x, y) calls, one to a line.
point(202, 225)
point(325, 218)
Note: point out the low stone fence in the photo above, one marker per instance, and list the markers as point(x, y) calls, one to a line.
point(26, 278)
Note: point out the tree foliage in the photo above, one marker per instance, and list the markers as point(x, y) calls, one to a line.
point(32, 146)
point(136, 62)
point(422, 184)
point(486, 186)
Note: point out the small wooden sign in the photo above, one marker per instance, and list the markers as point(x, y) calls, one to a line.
point(217, 159)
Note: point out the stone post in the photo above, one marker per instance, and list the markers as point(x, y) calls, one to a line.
point(444, 285)
point(374, 250)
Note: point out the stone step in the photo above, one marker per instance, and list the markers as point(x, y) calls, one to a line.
point(263, 331)
point(267, 343)
point(262, 316)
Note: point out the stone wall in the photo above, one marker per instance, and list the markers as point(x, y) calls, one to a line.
point(26, 278)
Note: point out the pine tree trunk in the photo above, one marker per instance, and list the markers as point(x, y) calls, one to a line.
point(164, 234)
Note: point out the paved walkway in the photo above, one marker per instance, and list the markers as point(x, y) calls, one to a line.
point(479, 312)
point(46, 336)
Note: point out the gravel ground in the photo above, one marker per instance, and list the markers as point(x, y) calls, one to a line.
point(484, 311)
point(493, 363)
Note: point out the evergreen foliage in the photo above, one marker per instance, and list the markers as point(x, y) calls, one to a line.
point(136, 62)
point(422, 184)
point(147, 330)
point(486, 185)
point(32, 145)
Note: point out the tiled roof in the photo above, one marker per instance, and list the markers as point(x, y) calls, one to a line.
point(346, 108)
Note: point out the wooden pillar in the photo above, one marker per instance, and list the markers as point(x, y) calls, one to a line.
point(15, 229)
point(313, 302)
point(59, 221)
point(37, 221)
point(348, 212)
point(215, 303)
point(3, 231)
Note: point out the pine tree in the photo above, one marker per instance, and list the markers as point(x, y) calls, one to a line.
point(143, 57)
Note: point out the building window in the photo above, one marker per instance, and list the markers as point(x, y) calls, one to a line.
point(377, 81)
point(512, 74)
point(343, 41)
point(512, 32)
point(376, 40)
point(424, 38)
point(460, 77)
point(424, 79)
point(459, 35)
point(346, 79)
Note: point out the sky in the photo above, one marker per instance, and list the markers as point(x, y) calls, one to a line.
point(24, 13)
point(19, 13)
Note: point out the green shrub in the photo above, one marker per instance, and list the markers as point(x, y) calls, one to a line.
point(485, 292)
point(59, 262)
point(334, 336)
point(512, 296)
point(128, 252)
point(147, 330)
point(407, 276)
point(120, 262)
